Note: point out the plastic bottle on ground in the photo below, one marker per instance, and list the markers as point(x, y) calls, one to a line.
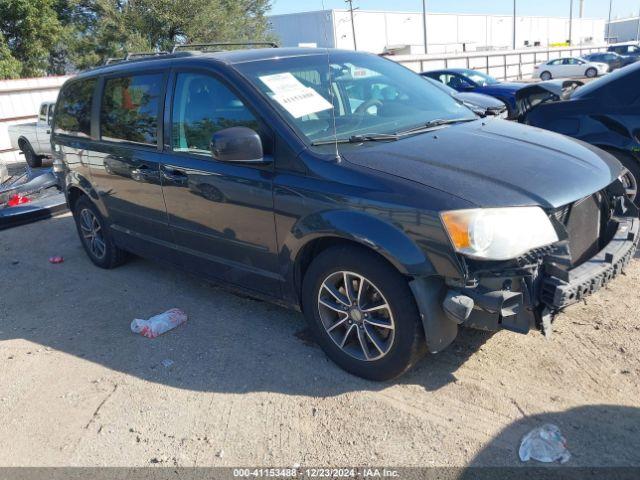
point(159, 324)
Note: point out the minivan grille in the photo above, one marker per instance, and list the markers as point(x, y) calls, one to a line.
point(586, 221)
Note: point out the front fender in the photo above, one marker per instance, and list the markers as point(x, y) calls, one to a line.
point(369, 231)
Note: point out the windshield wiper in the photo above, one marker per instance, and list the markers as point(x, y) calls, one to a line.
point(382, 137)
point(431, 124)
point(365, 137)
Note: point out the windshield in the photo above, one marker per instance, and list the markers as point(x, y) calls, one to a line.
point(344, 94)
point(480, 78)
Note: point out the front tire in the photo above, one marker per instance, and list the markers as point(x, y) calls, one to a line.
point(33, 160)
point(362, 313)
point(95, 235)
point(591, 73)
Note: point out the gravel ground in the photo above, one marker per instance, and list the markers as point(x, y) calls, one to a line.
point(248, 388)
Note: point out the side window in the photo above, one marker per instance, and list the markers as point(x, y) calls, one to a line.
point(129, 110)
point(202, 106)
point(458, 82)
point(73, 116)
point(555, 62)
point(43, 113)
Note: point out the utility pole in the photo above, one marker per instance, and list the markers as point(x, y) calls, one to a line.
point(581, 8)
point(570, 21)
point(609, 22)
point(353, 25)
point(514, 24)
point(638, 31)
point(424, 24)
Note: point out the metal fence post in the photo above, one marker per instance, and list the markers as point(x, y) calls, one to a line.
point(504, 58)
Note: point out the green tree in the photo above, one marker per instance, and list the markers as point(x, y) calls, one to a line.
point(56, 36)
point(9, 66)
point(31, 29)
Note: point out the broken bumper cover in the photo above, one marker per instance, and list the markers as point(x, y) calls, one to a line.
point(561, 289)
point(491, 306)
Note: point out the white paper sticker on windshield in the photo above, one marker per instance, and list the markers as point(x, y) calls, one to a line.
point(296, 99)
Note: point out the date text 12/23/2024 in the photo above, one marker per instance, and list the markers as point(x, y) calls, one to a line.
point(297, 472)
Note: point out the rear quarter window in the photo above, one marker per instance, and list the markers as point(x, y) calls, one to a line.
point(73, 112)
point(129, 110)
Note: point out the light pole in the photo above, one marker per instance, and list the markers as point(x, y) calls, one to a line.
point(638, 31)
point(514, 24)
point(570, 21)
point(609, 22)
point(424, 24)
point(353, 25)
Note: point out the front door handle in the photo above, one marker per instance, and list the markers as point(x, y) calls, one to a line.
point(174, 175)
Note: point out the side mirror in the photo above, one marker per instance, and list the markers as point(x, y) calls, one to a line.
point(237, 144)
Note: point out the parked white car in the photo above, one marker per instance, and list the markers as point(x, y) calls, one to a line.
point(569, 67)
point(34, 139)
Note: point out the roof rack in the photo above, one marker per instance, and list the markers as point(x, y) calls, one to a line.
point(134, 56)
point(205, 46)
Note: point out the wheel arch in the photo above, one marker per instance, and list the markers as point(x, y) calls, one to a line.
point(358, 229)
point(79, 187)
point(22, 140)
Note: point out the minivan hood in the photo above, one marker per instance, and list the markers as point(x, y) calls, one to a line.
point(494, 163)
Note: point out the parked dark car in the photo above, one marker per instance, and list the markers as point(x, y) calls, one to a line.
point(465, 80)
point(612, 59)
point(385, 210)
point(481, 104)
point(604, 113)
point(631, 49)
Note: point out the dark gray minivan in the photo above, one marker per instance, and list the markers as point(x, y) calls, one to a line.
point(344, 185)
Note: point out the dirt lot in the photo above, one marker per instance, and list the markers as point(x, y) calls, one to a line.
point(245, 388)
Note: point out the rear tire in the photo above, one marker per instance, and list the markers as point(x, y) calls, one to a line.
point(95, 235)
point(546, 76)
point(33, 160)
point(377, 322)
point(591, 73)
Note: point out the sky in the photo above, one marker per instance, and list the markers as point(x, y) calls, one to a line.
point(592, 8)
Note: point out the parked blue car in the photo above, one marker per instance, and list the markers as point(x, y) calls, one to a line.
point(465, 80)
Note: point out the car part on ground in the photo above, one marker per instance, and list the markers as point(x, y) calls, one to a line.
point(37, 193)
point(604, 113)
point(343, 184)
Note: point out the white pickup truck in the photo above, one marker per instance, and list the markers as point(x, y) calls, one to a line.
point(34, 139)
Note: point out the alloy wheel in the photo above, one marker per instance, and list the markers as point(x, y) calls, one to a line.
point(356, 315)
point(92, 233)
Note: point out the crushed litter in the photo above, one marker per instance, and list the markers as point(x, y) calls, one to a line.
point(544, 444)
point(56, 259)
point(159, 324)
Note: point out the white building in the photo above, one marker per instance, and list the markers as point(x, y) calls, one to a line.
point(623, 30)
point(377, 31)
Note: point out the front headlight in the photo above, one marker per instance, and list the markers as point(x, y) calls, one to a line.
point(498, 233)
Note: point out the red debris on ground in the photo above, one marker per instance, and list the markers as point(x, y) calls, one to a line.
point(56, 259)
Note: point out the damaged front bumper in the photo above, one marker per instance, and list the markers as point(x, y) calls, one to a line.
point(519, 301)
